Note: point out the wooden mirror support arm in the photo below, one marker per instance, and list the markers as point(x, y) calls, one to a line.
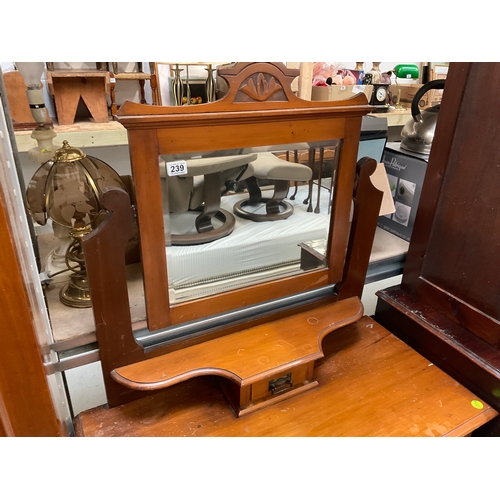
point(104, 250)
point(367, 200)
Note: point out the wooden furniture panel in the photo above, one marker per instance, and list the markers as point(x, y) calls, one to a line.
point(267, 114)
point(447, 305)
point(255, 357)
point(105, 258)
point(19, 108)
point(68, 87)
point(26, 405)
point(278, 117)
point(23, 382)
point(370, 384)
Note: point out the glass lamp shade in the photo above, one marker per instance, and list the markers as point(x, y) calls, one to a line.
point(66, 188)
point(406, 71)
point(32, 72)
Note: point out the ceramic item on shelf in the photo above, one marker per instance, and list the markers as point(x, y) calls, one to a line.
point(376, 73)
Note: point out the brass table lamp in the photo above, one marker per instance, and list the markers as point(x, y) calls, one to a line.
point(66, 189)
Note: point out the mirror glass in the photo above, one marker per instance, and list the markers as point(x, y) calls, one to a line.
point(240, 217)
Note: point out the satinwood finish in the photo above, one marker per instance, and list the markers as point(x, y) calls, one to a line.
point(258, 109)
point(250, 358)
point(448, 303)
point(367, 383)
point(370, 384)
point(295, 338)
point(105, 258)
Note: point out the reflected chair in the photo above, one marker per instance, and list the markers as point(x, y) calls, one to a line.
point(200, 191)
point(322, 162)
point(269, 167)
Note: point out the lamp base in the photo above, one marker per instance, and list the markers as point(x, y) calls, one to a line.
point(45, 148)
point(76, 293)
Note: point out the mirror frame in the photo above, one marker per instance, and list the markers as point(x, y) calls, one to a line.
point(266, 111)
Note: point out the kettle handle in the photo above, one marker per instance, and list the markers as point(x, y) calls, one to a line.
point(433, 84)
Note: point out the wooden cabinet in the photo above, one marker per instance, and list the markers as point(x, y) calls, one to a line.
point(448, 306)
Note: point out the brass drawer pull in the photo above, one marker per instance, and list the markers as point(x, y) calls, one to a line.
point(281, 384)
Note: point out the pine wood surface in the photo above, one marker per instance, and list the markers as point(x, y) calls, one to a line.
point(456, 350)
point(370, 384)
point(132, 76)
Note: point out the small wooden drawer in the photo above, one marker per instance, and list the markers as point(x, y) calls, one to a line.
point(269, 390)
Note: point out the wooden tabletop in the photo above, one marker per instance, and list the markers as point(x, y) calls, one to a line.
point(370, 384)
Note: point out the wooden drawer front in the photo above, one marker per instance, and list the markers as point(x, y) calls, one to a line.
point(283, 382)
point(283, 385)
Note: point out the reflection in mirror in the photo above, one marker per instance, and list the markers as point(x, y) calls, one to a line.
point(240, 217)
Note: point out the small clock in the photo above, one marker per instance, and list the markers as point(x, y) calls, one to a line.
point(379, 94)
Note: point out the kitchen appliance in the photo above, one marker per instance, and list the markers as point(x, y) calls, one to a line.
point(405, 172)
point(418, 133)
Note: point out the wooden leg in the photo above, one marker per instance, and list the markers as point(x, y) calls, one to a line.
point(321, 152)
point(114, 107)
point(296, 184)
point(141, 90)
point(154, 90)
point(312, 154)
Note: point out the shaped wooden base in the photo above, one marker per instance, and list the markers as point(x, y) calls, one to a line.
point(258, 366)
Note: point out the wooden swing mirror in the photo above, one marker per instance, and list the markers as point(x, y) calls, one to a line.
point(224, 322)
